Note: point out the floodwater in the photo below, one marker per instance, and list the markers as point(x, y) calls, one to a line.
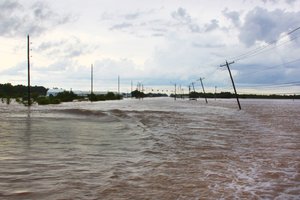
point(151, 149)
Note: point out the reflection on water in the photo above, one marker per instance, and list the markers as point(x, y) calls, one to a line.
point(151, 149)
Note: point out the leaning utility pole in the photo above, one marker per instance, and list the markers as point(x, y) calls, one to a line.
point(28, 68)
point(236, 95)
point(203, 89)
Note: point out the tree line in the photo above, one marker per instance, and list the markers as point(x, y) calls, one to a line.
point(227, 95)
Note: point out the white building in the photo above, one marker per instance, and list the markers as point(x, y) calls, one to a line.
point(54, 91)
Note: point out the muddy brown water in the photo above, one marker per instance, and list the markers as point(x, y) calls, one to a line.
point(151, 149)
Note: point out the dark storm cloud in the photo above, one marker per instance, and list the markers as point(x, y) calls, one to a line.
point(16, 20)
point(263, 25)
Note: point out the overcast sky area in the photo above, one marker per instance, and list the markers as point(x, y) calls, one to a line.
point(158, 43)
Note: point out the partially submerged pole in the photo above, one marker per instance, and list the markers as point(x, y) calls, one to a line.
point(203, 89)
point(236, 95)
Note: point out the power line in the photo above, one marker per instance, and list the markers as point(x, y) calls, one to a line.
point(261, 49)
point(264, 49)
point(286, 84)
point(272, 67)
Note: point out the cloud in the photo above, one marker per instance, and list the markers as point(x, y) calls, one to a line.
point(272, 1)
point(267, 26)
point(214, 24)
point(19, 69)
point(17, 20)
point(184, 19)
point(66, 48)
point(133, 16)
point(151, 23)
point(207, 46)
point(233, 16)
point(121, 26)
point(181, 15)
point(290, 1)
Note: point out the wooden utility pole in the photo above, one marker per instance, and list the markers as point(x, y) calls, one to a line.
point(131, 89)
point(175, 93)
point(28, 68)
point(92, 79)
point(215, 93)
point(236, 95)
point(119, 85)
point(203, 89)
point(193, 87)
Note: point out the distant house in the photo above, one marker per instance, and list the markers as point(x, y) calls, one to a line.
point(54, 92)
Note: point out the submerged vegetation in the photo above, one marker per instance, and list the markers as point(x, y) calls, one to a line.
point(104, 97)
point(19, 93)
point(64, 96)
point(138, 94)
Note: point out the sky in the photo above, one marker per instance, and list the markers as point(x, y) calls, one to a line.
point(157, 43)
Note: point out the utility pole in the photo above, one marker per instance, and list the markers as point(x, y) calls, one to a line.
point(92, 79)
point(119, 85)
point(139, 90)
point(175, 93)
point(193, 87)
point(189, 92)
point(131, 88)
point(203, 89)
point(236, 95)
point(215, 93)
point(180, 92)
point(28, 68)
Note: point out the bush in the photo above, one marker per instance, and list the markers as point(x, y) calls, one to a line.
point(47, 100)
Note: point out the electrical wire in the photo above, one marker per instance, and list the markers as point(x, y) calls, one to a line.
point(262, 49)
point(268, 68)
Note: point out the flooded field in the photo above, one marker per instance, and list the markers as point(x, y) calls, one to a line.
point(151, 149)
